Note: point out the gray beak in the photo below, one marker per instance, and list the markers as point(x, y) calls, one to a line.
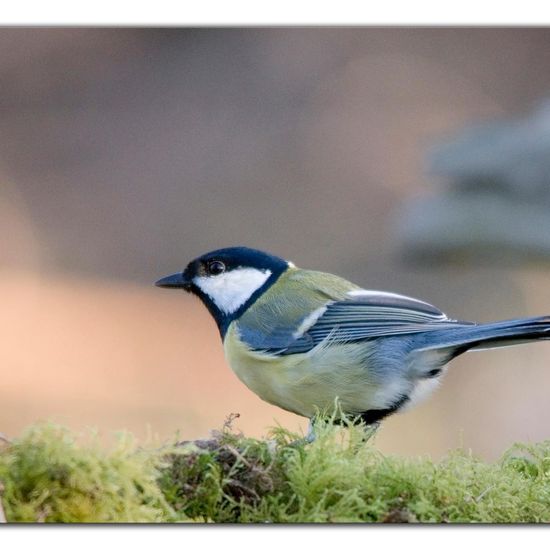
point(177, 280)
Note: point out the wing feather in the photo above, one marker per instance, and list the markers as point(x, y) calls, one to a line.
point(364, 315)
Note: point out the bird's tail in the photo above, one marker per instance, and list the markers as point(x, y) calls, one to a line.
point(489, 335)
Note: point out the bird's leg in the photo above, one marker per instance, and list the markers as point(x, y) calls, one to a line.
point(310, 436)
point(370, 430)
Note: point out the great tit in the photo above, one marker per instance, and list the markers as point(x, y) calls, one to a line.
point(303, 340)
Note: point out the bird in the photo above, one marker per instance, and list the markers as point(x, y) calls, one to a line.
point(304, 340)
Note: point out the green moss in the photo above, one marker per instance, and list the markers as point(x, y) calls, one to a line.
point(47, 476)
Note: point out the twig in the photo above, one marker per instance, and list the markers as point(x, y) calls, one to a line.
point(228, 423)
point(238, 455)
point(43, 514)
point(483, 493)
point(4, 438)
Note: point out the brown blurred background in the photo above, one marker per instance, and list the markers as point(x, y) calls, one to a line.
point(126, 152)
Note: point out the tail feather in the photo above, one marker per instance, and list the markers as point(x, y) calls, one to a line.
point(489, 335)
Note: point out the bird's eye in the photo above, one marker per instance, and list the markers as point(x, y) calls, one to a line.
point(216, 267)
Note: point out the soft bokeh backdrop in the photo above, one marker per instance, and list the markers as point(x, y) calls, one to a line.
point(124, 153)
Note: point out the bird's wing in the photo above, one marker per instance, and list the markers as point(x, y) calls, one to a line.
point(364, 315)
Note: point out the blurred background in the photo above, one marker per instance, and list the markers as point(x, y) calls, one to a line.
point(124, 153)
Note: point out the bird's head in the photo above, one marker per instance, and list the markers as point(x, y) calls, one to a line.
point(228, 280)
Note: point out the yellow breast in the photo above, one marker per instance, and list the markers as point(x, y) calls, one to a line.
point(309, 382)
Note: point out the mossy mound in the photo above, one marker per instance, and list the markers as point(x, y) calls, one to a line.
point(47, 475)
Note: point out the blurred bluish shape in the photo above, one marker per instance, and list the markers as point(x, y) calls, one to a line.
point(495, 201)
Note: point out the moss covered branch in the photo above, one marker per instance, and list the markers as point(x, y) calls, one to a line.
point(49, 475)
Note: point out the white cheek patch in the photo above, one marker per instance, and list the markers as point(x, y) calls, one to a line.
point(230, 290)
